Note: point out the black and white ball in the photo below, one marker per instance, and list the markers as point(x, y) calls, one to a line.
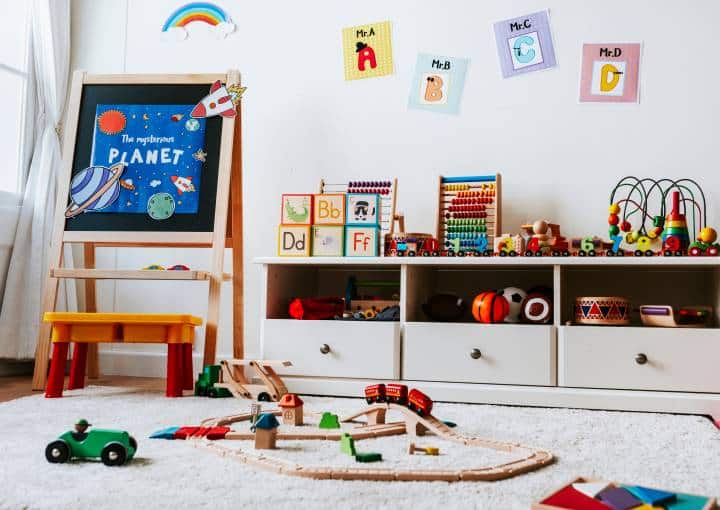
point(514, 296)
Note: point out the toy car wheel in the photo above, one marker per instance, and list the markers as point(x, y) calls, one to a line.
point(591, 253)
point(528, 253)
point(555, 253)
point(426, 254)
point(503, 254)
point(411, 253)
point(113, 454)
point(667, 253)
point(649, 253)
point(539, 253)
point(712, 251)
point(133, 443)
point(566, 253)
point(638, 253)
point(582, 253)
point(57, 452)
point(264, 397)
point(610, 253)
point(487, 253)
point(679, 253)
point(436, 254)
point(513, 253)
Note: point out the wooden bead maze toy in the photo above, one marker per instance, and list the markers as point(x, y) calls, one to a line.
point(469, 211)
point(662, 207)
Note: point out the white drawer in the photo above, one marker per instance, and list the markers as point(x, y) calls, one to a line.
point(605, 357)
point(509, 353)
point(369, 350)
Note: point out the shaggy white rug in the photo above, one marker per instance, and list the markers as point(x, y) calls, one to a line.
point(673, 452)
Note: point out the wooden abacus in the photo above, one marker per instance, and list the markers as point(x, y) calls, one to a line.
point(387, 189)
point(469, 210)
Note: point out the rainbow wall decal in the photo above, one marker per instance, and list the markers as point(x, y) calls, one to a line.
point(201, 12)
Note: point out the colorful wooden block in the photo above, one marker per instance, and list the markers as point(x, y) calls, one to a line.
point(347, 445)
point(591, 489)
point(329, 209)
point(296, 209)
point(294, 241)
point(651, 496)
point(361, 241)
point(329, 421)
point(363, 209)
point(687, 502)
point(568, 497)
point(327, 241)
point(618, 498)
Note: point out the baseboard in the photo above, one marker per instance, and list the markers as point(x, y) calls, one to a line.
point(144, 364)
point(8, 367)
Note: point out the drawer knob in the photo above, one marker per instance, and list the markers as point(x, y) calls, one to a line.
point(641, 359)
point(475, 354)
point(324, 348)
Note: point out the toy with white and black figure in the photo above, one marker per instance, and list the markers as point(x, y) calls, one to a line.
point(113, 447)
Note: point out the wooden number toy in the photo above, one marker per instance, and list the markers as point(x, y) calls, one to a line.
point(468, 213)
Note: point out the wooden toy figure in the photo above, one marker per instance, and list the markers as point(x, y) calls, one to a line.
point(265, 429)
point(292, 406)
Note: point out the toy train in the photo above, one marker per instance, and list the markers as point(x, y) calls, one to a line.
point(415, 400)
point(541, 239)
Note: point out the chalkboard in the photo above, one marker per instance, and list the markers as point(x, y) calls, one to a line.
point(141, 162)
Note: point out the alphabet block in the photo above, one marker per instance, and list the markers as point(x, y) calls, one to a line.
point(363, 209)
point(296, 209)
point(361, 241)
point(329, 209)
point(294, 241)
point(327, 241)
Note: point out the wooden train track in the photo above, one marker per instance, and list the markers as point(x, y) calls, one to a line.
point(413, 424)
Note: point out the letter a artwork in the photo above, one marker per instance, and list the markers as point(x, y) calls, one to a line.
point(367, 51)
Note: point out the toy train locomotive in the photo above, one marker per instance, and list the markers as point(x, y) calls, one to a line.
point(415, 400)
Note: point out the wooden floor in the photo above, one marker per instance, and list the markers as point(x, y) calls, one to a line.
point(12, 387)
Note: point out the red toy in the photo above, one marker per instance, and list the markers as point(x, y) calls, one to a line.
point(316, 308)
point(490, 307)
point(419, 402)
point(416, 400)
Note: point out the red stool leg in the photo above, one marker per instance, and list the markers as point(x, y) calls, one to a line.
point(188, 381)
point(77, 367)
point(54, 387)
point(174, 382)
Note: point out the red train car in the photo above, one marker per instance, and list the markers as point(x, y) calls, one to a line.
point(375, 393)
point(419, 402)
point(396, 393)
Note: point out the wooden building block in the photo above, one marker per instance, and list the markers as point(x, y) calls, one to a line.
point(294, 241)
point(363, 209)
point(296, 209)
point(329, 209)
point(361, 241)
point(327, 241)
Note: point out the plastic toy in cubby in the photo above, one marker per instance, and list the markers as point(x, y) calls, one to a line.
point(318, 308)
point(515, 297)
point(537, 307)
point(379, 304)
point(665, 316)
point(490, 307)
point(602, 310)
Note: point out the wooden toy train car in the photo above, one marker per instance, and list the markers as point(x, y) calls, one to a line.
point(415, 400)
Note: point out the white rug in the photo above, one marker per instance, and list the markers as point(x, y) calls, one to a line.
point(673, 452)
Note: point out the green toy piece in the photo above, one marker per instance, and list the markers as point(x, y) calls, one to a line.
point(329, 421)
point(347, 445)
point(113, 447)
point(368, 457)
point(205, 385)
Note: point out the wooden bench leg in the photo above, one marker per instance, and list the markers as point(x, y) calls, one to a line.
point(188, 372)
point(174, 382)
point(56, 379)
point(77, 367)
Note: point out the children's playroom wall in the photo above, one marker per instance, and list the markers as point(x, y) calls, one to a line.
point(302, 121)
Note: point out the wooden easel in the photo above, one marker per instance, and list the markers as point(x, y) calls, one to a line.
point(228, 228)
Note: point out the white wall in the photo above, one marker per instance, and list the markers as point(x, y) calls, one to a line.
point(302, 121)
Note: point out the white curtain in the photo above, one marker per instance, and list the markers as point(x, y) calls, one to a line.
point(21, 305)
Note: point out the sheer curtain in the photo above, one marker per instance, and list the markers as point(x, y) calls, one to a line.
point(20, 315)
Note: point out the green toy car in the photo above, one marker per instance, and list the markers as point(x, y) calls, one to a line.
point(113, 447)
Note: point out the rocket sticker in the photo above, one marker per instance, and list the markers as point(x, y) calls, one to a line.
point(183, 184)
point(217, 102)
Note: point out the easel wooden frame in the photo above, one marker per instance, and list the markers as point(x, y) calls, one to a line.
point(228, 227)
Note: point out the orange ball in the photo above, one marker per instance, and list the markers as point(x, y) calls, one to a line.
point(490, 307)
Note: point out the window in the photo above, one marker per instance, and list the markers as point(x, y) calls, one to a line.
point(14, 67)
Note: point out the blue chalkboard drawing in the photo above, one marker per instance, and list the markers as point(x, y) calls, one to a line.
point(94, 189)
point(155, 145)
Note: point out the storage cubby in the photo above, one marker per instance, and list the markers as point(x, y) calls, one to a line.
point(467, 282)
point(286, 282)
point(642, 285)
